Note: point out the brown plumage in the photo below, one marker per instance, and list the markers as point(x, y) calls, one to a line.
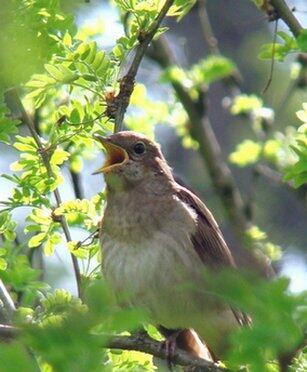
point(157, 238)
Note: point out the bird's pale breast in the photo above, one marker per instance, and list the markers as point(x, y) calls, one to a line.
point(150, 262)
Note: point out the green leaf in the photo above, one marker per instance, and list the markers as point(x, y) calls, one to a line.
point(36, 240)
point(54, 72)
point(59, 156)
point(3, 264)
point(14, 357)
point(51, 242)
point(244, 103)
point(212, 69)
point(302, 40)
point(67, 39)
point(246, 153)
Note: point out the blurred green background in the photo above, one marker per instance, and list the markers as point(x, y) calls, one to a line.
point(240, 29)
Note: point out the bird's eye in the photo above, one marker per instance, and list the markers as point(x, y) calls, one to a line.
point(139, 148)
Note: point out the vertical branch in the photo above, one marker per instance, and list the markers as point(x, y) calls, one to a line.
point(76, 183)
point(45, 158)
point(207, 28)
point(225, 186)
point(201, 131)
point(121, 101)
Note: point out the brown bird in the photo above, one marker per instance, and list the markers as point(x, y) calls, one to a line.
point(157, 237)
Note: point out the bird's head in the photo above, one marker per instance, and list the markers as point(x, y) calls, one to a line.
point(131, 158)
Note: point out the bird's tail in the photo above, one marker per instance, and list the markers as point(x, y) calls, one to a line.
point(189, 341)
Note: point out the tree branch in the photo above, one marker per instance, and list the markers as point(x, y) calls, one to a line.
point(201, 131)
point(7, 307)
point(8, 332)
point(45, 158)
point(148, 345)
point(77, 184)
point(142, 343)
point(121, 101)
point(232, 84)
point(285, 13)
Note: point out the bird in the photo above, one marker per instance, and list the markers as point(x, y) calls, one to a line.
point(157, 238)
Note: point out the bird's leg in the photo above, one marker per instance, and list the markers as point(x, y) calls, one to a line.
point(170, 345)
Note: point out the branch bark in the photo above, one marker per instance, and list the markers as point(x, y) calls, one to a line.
point(45, 158)
point(285, 13)
point(148, 345)
point(201, 130)
point(127, 82)
point(142, 343)
point(233, 86)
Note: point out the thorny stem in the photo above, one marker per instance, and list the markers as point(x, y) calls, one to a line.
point(45, 158)
point(127, 83)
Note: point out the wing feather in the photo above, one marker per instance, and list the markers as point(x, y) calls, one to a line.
point(208, 240)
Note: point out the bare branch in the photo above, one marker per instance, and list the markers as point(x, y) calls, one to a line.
point(142, 343)
point(7, 332)
point(45, 158)
point(7, 307)
point(77, 184)
point(201, 130)
point(148, 345)
point(121, 101)
point(285, 13)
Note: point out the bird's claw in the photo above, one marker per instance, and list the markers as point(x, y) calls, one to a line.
point(170, 345)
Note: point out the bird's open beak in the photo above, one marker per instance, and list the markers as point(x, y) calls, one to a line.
point(116, 155)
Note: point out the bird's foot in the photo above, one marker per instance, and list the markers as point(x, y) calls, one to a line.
point(170, 345)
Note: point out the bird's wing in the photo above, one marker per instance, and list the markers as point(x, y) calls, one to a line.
point(208, 240)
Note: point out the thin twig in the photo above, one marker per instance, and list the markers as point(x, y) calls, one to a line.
point(92, 236)
point(207, 28)
point(45, 158)
point(233, 81)
point(127, 82)
point(272, 59)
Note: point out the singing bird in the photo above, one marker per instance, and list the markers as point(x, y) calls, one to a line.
point(157, 237)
